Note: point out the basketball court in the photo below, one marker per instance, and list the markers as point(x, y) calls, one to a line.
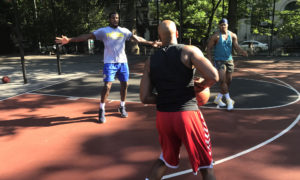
point(50, 132)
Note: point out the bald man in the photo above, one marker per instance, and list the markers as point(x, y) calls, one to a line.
point(170, 71)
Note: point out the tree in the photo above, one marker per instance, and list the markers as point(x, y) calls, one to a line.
point(199, 17)
point(261, 17)
point(215, 4)
point(72, 18)
point(232, 15)
point(290, 26)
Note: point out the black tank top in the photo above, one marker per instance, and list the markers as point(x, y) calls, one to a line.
point(172, 80)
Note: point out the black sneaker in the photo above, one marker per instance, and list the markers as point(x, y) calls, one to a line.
point(123, 112)
point(101, 116)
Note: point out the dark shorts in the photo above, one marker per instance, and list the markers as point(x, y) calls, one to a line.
point(228, 65)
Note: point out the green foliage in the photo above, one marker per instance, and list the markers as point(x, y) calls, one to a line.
point(260, 13)
point(53, 18)
point(6, 13)
point(290, 26)
point(244, 10)
point(169, 11)
point(195, 16)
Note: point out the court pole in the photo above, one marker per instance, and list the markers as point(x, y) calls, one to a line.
point(272, 30)
point(58, 59)
point(56, 45)
point(20, 40)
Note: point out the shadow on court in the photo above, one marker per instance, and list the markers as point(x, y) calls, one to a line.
point(51, 133)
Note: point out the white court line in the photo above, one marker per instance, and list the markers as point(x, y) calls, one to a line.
point(216, 162)
point(241, 153)
point(270, 107)
point(79, 97)
point(57, 95)
point(70, 97)
point(29, 92)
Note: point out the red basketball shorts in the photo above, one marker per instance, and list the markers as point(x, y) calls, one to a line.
point(189, 128)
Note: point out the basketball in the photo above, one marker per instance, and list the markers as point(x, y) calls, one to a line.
point(202, 96)
point(5, 79)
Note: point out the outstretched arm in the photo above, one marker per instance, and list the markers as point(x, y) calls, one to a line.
point(139, 39)
point(146, 88)
point(236, 45)
point(65, 40)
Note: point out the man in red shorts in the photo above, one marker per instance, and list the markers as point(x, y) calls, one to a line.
point(170, 71)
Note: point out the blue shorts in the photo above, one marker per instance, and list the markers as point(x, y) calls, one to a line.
point(113, 70)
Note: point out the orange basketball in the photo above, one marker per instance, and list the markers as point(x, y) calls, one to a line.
point(5, 79)
point(202, 97)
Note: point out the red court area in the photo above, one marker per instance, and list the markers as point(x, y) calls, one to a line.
point(46, 137)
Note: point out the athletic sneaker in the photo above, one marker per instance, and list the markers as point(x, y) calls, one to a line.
point(123, 112)
point(219, 101)
point(101, 116)
point(230, 104)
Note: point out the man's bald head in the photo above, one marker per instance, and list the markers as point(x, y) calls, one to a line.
point(167, 32)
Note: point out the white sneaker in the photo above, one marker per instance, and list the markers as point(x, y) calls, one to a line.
point(219, 102)
point(230, 104)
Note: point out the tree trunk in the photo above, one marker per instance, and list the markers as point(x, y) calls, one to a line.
point(232, 18)
point(211, 18)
